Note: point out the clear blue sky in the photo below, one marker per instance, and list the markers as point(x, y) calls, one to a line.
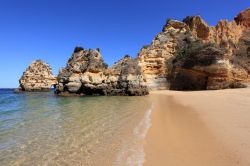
point(50, 29)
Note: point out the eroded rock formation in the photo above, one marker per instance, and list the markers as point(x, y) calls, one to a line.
point(87, 74)
point(37, 77)
point(155, 60)
point(190, 55)
point(202, 66)
point(186, 55)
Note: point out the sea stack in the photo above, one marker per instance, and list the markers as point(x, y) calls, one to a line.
point(87, 74)
point(37, 77)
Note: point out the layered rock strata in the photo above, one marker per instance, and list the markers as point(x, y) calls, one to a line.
point(190, 55)
point(37, 77)
point(155, 60)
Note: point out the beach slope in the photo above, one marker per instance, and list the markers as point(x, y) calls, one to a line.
point(199, 128)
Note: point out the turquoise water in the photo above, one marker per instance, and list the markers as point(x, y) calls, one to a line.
point(42, 129)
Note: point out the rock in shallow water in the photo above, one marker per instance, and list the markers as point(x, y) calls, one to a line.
point(37, 77)
point(87, 74)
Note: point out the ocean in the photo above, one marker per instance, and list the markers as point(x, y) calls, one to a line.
point(42, 129)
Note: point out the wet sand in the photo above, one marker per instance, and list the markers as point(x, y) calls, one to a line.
point(205, 128)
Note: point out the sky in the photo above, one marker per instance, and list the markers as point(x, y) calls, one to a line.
point(50, 29)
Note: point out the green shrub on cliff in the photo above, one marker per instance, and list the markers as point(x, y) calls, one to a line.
point(167, 21)
point(146, 46)
point(78, 49)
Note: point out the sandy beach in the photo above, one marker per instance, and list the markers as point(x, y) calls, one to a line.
point(203, 128)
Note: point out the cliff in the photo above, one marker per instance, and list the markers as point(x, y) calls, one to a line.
point(37, 77)
point(155, 60)
point(190, 55)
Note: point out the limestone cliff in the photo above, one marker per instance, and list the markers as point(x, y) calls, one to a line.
point(155, 60)
point(190, 55)
point(37, 77)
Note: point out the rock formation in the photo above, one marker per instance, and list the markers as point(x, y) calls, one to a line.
point(87, 74)
point(243, 18)
point(202, 66)
point(190, 55)
point(155, 60)
point(37, 77)
point(186, 55)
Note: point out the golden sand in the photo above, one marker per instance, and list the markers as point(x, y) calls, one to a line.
point(205, 128)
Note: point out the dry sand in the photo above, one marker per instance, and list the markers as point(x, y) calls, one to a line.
point(205, 128)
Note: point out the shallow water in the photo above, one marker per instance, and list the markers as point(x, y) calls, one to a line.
point(42, 129)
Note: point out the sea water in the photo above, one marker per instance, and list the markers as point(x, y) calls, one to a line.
point(43, 129)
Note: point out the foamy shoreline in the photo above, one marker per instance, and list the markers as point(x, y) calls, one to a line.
point(199, 128)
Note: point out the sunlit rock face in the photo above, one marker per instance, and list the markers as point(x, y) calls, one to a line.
point(37, 77)
point(155, 60)
point(87, 74)
point(190, 55)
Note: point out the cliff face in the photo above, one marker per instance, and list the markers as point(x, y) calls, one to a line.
point(37, 77)
point(202, 66)
point(155, 60)
point(190, 55)
point(87, 74)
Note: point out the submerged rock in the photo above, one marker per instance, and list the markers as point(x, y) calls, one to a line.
point(37, 77)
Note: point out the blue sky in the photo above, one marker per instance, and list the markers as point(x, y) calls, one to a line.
point(50, 29)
